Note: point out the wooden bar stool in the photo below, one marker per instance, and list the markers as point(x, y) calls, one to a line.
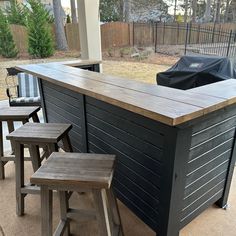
point(35, 135)
point(11, 114)
point(68, 172)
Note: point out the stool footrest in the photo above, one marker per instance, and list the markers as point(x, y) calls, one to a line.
point(61, 228)
point(81, 215)
point(30, 189)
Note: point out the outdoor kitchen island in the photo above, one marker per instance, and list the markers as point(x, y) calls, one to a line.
point(175, 149)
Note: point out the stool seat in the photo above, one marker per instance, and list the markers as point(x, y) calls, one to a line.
point(69, 172)
point(11, 114)
point(35, 135)
point(78, 169)
point(40, 132)
point(17, 113)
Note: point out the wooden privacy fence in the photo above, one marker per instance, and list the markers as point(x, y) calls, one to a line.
point(120, 34)
point(20, 37)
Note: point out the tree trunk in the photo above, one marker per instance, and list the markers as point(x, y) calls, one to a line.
point(175, 9)
point(73, 11)
point(207, 14)
point(126, 10)
point(185, 11)
point(226, 16)
point(234, 10)
point(217, 15)
point(194, 12)
point(60, 32)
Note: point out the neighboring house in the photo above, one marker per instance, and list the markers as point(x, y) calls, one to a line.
point(153, 11)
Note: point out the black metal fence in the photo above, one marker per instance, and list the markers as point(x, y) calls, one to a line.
point(179, 38)
point(210, 41)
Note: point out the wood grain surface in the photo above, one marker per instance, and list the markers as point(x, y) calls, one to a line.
point(166, 105)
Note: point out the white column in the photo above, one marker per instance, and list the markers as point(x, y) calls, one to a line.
point(89, 29)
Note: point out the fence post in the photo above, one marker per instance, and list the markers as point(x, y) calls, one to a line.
point(229, 43)
point(189, 30)
point(213, 33)
point(133, 34)
point(156, 38)
point(164, 28)
point(186, 39)
point(178, 33)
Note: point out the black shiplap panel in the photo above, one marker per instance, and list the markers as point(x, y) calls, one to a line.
point(138, 131)
point(196, 185)
point(63, 91)
point(152, 152)
point(131, 160)
point(148, 211)
point(212, 131)
point(140, 121)
point(204, 188)
point(211, 144)
point(207, 166)
point(65, 106)
point(138, 144)
point(73, 101)
point(212, 199)
point(59, 109)
point(202, 200)
point(136, 209)
point(215, 118)
point(209, 157)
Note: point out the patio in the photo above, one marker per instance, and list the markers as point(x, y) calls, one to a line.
point(212, 222)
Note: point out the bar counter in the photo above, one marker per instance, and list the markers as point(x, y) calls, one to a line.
point(175, 149)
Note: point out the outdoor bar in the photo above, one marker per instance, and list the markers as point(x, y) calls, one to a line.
point(175, 149)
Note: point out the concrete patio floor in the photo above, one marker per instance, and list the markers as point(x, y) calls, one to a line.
point(212, 222)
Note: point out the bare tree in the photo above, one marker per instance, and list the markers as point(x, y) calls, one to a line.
point(185, 11)
point(226, 16)
point(217, 13)
point(126, 10)
point(175, 9)
point(194, 12)
point(234, 10)
point(60, 32)
point(73, 11)
point(207, 14)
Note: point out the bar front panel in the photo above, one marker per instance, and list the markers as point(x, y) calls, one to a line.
point(209, 161)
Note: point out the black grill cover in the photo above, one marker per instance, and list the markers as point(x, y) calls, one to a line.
point(194, 71)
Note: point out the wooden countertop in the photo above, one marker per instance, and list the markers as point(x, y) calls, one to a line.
point(167, 105)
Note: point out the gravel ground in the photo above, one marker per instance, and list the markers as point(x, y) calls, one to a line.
point(134, 70)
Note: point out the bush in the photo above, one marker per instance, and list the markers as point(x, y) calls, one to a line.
point(39, 31)
point(68, 19)
point(7, 45)
point(17, 14)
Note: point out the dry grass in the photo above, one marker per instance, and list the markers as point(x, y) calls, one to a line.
point(134, 70)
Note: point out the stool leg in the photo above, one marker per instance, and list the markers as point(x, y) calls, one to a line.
point(2, 172)
point(10, 125)
point(19, 175)
point(35, 118)
point(64, 206)
point(35, 157)
point(67, 144)
point(46, 211)
point(53, 147)
point(25, 121)
point(115, 211)
point(102, 214)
